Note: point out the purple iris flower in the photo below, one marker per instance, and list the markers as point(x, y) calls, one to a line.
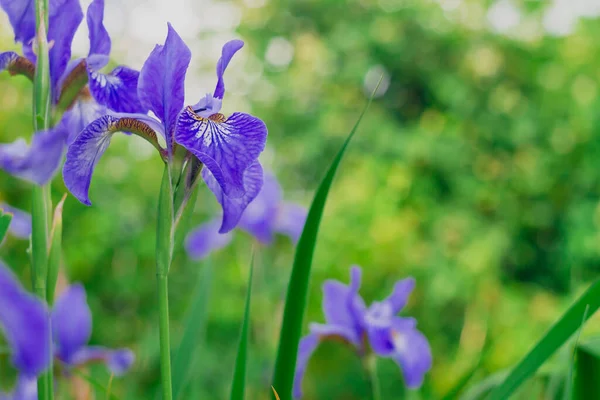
point(20, 225)
point(226, 147)
point(376, 328)
point(25, 322)
point(71, 331)
point(115, 91)
point(265, 216)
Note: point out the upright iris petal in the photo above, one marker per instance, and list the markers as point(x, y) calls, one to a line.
point(161, 81)
point(227, 54)
point(25, 322)
point(21, 15)
point(99, 38)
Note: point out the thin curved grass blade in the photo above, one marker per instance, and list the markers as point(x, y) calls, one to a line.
point(295, 302)
point(239, 376)
point(562, 330)
point(193, 331)
point(5, 219)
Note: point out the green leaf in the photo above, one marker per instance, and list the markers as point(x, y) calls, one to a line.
point(295, 303)
point(239, 376)
point(587, 377)
point(551, 342)
point(193, 331)
point(5, 219)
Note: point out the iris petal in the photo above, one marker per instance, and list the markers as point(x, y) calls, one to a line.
point(161, 81)
point(227, 53)
point(233, 208)
point(290, 221)
point(117, 90)
point(83, 155)
point(21, 15)
point(399, 297)
point(259, 217)
point(36, 163)
point(226, 147)
point(71, 322)
point(413, 354)
point(63, 20)
point(117, 361)
point(83, 112)
point(25, 322)
point(99, 38)
point(205, 239)
point(7, 58)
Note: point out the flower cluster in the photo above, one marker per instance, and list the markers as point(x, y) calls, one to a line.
point(376, 329)
point(27, 322)
point(265, 216)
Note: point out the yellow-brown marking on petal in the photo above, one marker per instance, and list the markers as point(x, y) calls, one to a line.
point(218, 117)
point(22, 66)
point(134, 126)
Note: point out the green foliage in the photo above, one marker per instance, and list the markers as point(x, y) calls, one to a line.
point(4, 223)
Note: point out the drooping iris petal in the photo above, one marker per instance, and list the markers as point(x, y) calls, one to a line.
point(63, 20)
point(20, 225)
point(227, 147)
point(83, 112)
point(6, 59)
point(205, 239)
point(259, 217)
point(116, 90)
point(412, 353)
point(83, 155)
point(25, 322)
point(381, 337)
point(343, 305)
point(402, 290)
point(234, 207)
point(290, 220)
point(71, 322)
point(227, 53)
point(117, 361)
point(99, 38)
point(15, 64)
point(36, 163)
point(161, 81)
point(21, 15)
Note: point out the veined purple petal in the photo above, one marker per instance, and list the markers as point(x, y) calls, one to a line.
point(227, 147)
point(83, 155)
point(412, 353)
point(229, 49)
point(20, 226)
point(63, 19)
point(290, 220)
point(99, 38)
point(116, 90)
point(399, 297)
point(71, 323)
point(21, 15)
point(36, 163)
point(118, 361)
point(6, 59)
point(83, 112)
point(205, 239)
point(343, 305)
point(234, 207)
point(25, 322)
point(161, 81)
point(259, 217)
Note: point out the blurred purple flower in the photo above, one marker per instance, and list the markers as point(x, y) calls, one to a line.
point(71, 331)
point(25, 322)
point(115, 91)
point(20, 226)
point(266, 215)
point(228, 148)
point(376, 328)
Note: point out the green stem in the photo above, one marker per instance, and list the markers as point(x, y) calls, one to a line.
point(370, 365)
point(164, 254)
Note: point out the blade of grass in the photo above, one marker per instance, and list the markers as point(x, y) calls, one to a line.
point(193, 331)
point(295, 302)
point(239, 376)
point(587, 377)
point(569, 385)
point(562, 330)
point(4, 223)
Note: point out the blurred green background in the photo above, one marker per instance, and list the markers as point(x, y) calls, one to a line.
point(476, 171)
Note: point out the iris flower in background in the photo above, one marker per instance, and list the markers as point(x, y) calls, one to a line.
point(20, 225)
point(26, 323)
point(77, 87)
point(265, 216)
point(226, 148)
point(375, 329)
